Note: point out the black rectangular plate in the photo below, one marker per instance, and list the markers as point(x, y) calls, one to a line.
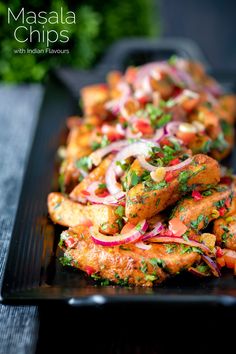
point(33, 273)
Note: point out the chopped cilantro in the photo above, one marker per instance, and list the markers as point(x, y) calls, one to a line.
point(105, 141)
point(195, 223)
point(185, 237)
point(170, 248)
point(124, 248)
point(156, 262)
point(95, 145)
point(159, 185)
point(85, 163)
point(120, 223)
point(224, 237)
point(150, 277)
point(170, 103)
point(134, 178)
point(143, 267)
point(203, 268)
point(105, 282)
point(102, 186)
point(206, 147)
point(95, 276)
point(121, 282)
point(164, 120)
point(66, 260)
point(197, 250)
point(183, 179)
point(220, 203)
point(124, 166)
point(225, 228)
point(207, 193)
point(120, 210)
point(104, 226)
point(220, 143)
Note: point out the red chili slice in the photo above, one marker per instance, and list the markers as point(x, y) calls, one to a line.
point(219, 252)
point(169, 176)
point(84, 192)
point(174, 162)
point(70, 242)
point(222, 211)
point(90, 270)
point(196, 195)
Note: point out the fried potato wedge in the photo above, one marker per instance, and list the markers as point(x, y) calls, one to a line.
point(225, 227)
point(93, 95)
point(197, 214)
point(128, 264)
point(68, 213)
point(98, 174)
point(143, 202)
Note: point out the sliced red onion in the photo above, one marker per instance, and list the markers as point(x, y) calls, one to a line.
point(195, 271)
point(158, 227)
point(173, 239)
point(108, 200)
point(130, 237)
point(97, 155)
point(172, 127)
point(144, 71)
point(83, 172)
point(159, 134)
point(143, 245)
point(135, 149)
point(212, 265)
point(147, 166)
point(131, 135)
point(120, 129)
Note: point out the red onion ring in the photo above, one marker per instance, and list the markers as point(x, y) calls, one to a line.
point(147, 166)
point(120, 130)
point(97, 155)
point(143, 245)
point(197, 272)
point(135, 149)
point(130, 237)
point(212, 265)
point(159, 134)
point(173, 239)
point(108, 200)
point(145, 71)
point(172, 127)
point(131, 135)
point(158, 227)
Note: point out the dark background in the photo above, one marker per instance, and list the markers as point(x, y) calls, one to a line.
point(211, 23)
